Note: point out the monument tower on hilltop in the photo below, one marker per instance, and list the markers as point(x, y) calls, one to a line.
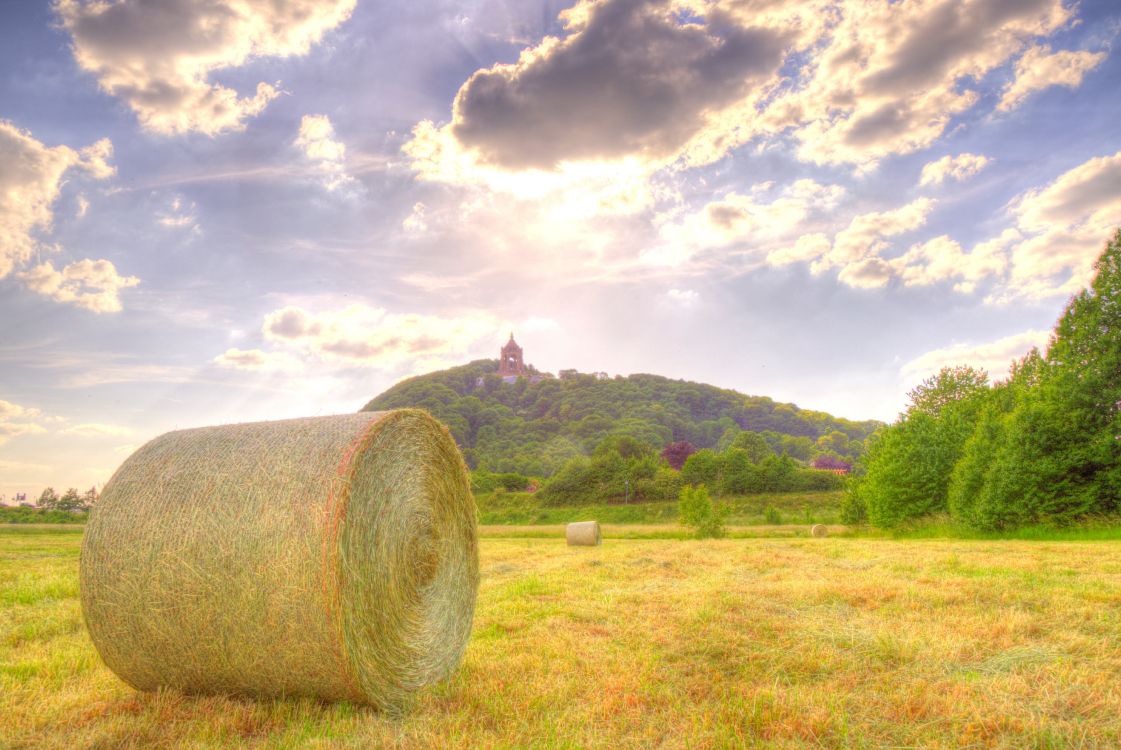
point(510, 361)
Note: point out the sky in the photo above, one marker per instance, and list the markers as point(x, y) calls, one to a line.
point(236, 210)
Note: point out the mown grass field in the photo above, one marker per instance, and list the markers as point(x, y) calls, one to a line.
point(766, 642)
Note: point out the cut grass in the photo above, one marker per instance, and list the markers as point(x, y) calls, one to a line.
point(768, 643)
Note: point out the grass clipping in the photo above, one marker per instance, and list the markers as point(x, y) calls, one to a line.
point(333, 557)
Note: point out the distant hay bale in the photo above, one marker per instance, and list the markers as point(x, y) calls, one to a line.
point(333, 557)
point(583, 534)
point(819, 530)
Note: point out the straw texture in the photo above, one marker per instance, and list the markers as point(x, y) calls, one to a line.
point(333, 557)
point(819, 530)
point(583, 534)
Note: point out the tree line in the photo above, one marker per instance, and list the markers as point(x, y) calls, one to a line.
point(622, 468)
point(1041, 447)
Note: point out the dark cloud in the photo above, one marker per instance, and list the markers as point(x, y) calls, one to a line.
point(632, 80)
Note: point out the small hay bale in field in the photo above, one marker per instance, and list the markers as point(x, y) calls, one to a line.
point(583, 534)
point(819, 530)
point(332, 557)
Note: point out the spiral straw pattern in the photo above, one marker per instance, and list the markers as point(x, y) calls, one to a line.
point(333, 557)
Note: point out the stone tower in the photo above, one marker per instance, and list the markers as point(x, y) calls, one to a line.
point(510, 363)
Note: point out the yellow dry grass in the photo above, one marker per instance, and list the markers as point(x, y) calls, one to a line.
point(770, 643)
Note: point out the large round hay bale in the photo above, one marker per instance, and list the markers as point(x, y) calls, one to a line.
point(583, 534)
point(333, 557)
point(819, 530)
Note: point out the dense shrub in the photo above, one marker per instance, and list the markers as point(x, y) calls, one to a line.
point(41, 515)
point(699, 512)
point(485, 481)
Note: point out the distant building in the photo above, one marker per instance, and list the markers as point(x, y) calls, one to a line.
point(511, 364)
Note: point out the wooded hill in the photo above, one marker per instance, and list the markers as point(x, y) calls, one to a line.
point(534, 428)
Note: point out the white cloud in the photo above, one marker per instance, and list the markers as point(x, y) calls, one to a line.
point(360, 335)
point(16, 420)
point(83, 207)
point(941, 259)
point(867, 236)
point(159, 57)
point(317, 141)
point(9, 430)
point(751, 221)
point(91, 284)
point(866, 273)
point(1040, 68)
point(31, 176)
point(806, 247)
point(994, 356)
point(179, 216)
point(960, 167)
point(93, 429)
point(254, 359)
point(9, 411)
point(1064, 227)
point(415, 221)
point(890, 76)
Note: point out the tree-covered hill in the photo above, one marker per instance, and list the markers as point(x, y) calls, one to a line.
point(533, 428)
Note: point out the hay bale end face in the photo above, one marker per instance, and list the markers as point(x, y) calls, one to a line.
point(332, 557)
point(583, 534)
point(819, 530)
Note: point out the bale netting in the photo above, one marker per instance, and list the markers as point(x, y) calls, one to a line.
point(818, 530)
point(583, 534)
point(331, 557)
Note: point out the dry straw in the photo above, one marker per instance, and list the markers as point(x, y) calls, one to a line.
point(819, 530)
point(333, 557)
point(583, 534)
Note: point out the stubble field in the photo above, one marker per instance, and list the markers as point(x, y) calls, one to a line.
point(766, 642)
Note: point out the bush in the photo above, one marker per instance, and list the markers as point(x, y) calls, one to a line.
point(699, 512)
point(665, 485)
point(772, 516)
point(485, 481)
point(702, 467)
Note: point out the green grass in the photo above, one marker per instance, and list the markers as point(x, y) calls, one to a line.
point(761, 643)
point(522, 509)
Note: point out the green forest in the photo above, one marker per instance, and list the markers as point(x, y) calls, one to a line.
point(593, 439)
point(535, 428)
point(1040, 447)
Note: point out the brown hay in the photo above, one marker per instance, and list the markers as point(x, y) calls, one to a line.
point(333, 557)
point(819, 530)
point(583, 534)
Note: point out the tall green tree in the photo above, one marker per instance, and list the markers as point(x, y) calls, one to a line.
point(48, 499)
point(1056, 456)
point(908, 467)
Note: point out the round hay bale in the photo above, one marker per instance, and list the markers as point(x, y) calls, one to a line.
point(818, 530)
point(333, 557)
point(583, 534)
